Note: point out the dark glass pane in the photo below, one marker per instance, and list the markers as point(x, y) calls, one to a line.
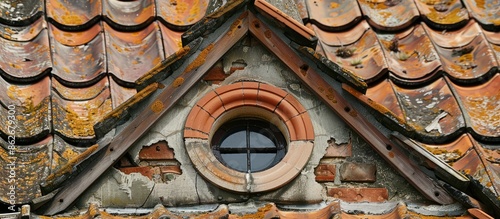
point(261, 162)
point(235, 140)
point(259, 140)
point(236, 161)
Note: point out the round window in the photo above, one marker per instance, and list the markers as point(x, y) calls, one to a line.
point(248, 127)
point(249, 144)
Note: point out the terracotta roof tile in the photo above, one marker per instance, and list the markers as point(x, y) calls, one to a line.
point(383, 94)
point(83, 93)
point(462, 50)
point(75, 119)
point(18, 13)
point(128, 15)
point(25, 60)
point(389, 15)
point(73, 15)
point(31, 167)
point(481, 105)
point(182, 13)
point(494, 40)
point(357, 50)
point(172, 41)
point(120, 94)
point(30, 104)
point(485, 12)
point(22, 33)
point(490, 158)
point(131, 54)
point(468, 156)
point(78, 57)
point(443, 15)
point(63, 153)
point(302, 9)
point(333, 14)
point(333, 209)
point(410, 55)
point(431, 110)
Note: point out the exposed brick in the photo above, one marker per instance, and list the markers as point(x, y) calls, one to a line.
point(171, 169)
point(145, 171)
point(157, 151)
point(359, 194)
point(216, 73)
point(125, 162)
point(338, 150)
point(325, 173)
point(358, 172)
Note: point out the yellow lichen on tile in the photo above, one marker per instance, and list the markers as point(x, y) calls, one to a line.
point(83, 124)
point(200, 60)
point(334, 5)
point(451, 17)
point(157, 106)
point(68, 167)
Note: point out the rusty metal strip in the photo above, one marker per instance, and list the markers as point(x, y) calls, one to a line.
point(338, 104)
point(145, 120)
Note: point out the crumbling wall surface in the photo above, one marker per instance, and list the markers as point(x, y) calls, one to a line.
point(247, 61)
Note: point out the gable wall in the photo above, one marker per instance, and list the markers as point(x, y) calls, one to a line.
point(117, 189)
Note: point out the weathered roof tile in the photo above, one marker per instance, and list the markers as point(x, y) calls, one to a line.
point(25, 60)
point(410, 55)
point(172, 41)
point(465, 53)
point(357, 50)
point(74, 120)
point(83, 93)
point(181, 14)
point(431, 110)
point(73, 15)
point(389, 15)
point(485, 12)
point(18, 13)
point(443, 15)
point(333, 15)
point(132, 54)
point(30, 105)
point(481, 106)
point(120, 94)
point(129, 15)
point(31, 165)
point(78, 57)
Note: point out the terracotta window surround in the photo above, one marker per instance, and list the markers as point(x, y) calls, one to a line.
point(243, 99)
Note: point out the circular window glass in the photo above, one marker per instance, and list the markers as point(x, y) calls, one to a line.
point(249, 144)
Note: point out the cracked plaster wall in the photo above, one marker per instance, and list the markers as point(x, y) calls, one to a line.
point(190, 188)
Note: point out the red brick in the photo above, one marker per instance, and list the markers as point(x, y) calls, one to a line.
point(358, 172)
point(145, 171)
point(216, 73)
point(359, 194)
point(158, 151)
point(338, 150)
point(125, 162)
point(325, 173)
point(171, 169)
